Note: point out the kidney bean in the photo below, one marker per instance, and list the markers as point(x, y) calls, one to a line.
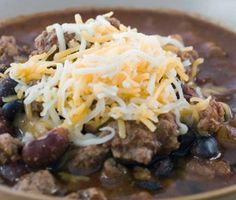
point(47, 150)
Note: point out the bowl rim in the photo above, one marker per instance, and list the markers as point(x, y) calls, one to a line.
point(221, 192)
point(201, 196)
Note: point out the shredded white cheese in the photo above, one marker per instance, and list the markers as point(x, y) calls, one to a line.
point(119, 74)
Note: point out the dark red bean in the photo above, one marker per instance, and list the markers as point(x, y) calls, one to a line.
point(46, 151)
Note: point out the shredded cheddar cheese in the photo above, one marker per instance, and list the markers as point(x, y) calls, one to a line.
point(106, 73)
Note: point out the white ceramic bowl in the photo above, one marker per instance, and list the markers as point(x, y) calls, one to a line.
point(222, 12)
point(217, 10)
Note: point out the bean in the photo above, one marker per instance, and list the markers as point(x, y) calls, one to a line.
point(46, 151)
point(186, 142)
point(149, 185)
point(205, 147)
point(7, 88)
point(10, 109)
point(163, 168)
point(12, 172)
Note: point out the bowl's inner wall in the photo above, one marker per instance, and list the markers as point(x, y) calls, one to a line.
point(218, 10)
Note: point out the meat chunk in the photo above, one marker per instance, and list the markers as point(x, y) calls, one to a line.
point(113, 173)
point(226, 134)
point(191, 56)
point(36, 107)
point(9, 149)
point(211, 49)
point(166, 132)
point(114, 22)
point(88, 194)
point(87, 160)
point(142, 174)
point(208, 169)
point(11, 52)
point(189, 92)
point(45, 41)
point(211, 118)
point(5, 126)
point(140, 145)
point(188, 55)
point(8, 49)
point(38, 182)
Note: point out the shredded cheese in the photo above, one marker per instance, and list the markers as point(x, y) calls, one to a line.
point(108, 73)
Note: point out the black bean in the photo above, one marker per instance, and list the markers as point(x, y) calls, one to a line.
point(7, 87)
point(186, 142)
point(149, 185)
point(163, 168)
point(46, 151)
point(205, 147)
point(10, 109)
point(12, 172)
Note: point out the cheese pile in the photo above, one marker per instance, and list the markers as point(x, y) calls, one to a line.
point(105, 72)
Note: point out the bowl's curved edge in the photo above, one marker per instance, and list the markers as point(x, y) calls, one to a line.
point(226, 193)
